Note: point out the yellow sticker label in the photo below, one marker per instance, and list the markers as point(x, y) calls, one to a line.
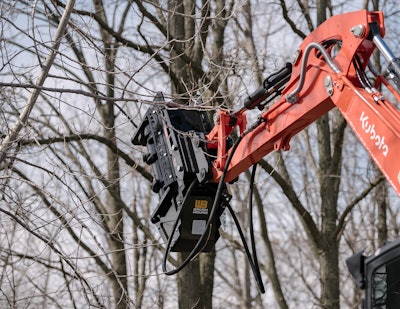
point(202, 204)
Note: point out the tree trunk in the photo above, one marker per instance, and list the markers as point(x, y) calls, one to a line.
point(207, 263)
point(329, 189)
point(380, 196)
point(115, 215)
point(196, 280)
point(329, 271)
point(329, 179)
point(189, 285)
point(114, 223)
point(381, 190)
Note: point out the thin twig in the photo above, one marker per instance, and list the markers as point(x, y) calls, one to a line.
point(23, 117)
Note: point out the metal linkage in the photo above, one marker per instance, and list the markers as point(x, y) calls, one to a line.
point(394, 62)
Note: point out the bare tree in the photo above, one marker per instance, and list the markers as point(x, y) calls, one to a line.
point(75, 195)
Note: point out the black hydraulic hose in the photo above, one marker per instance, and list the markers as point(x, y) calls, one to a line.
point(197, 248)
point(362, 77)
point(359, 75)
point(254, 267)
point(168, 247)
point(256, 271)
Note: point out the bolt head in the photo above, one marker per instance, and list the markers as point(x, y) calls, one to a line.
point(216, 118)
point(358, 31)
point(327, 81)
point(296, 56)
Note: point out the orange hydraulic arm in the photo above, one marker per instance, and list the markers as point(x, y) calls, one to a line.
point(192, 160)
point(327, 72)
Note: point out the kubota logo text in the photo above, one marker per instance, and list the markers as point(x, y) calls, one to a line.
point(369, 128)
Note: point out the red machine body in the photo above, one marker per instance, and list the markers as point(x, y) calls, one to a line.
point(375, 120)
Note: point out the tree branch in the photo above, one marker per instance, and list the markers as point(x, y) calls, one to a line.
point(23, 117)
point(56, 251)
point(342, 220)
point(291, 23)
point(98, 138)
point(308, 222)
